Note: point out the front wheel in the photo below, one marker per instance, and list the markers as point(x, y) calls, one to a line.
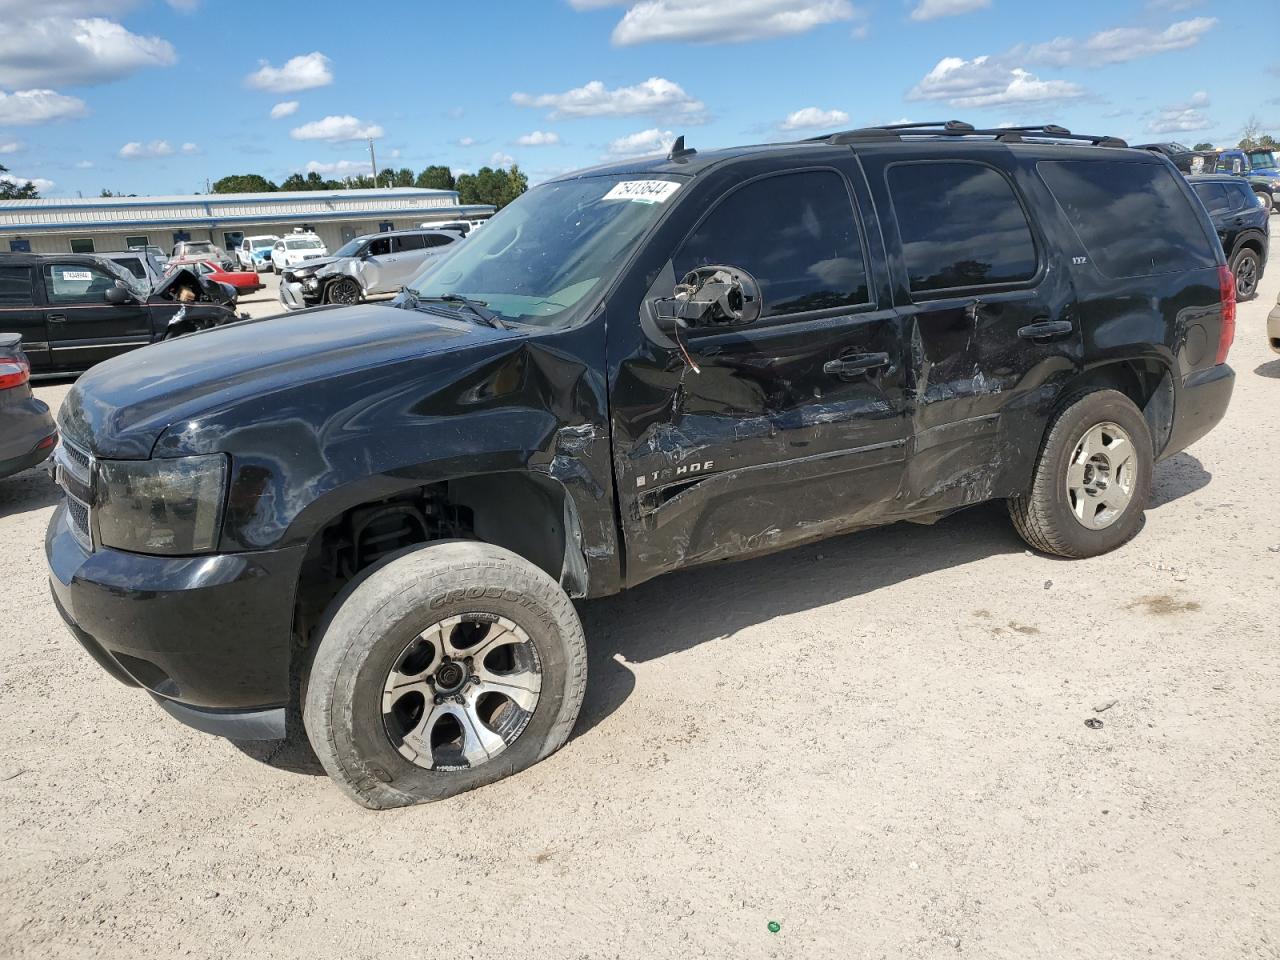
point(1092, 479)
point(344, 291)
point(443, 669)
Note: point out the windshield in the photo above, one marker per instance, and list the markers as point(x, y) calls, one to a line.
point(551, 249)
point(1262, 158)
point(350, 248)
point(258, 242)
point(306, 244)
point(199, 246)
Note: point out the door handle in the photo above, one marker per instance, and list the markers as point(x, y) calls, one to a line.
point(849, 368)
point(1046, 329)
point(56, 317)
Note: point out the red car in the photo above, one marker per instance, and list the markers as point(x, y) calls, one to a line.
point(245, 281)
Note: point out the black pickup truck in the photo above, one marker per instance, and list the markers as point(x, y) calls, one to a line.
point(74, 310)
point(382, 514)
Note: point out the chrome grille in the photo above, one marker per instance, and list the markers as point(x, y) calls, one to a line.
point(74, 471)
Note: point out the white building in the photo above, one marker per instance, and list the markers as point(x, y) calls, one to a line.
point(98, 225)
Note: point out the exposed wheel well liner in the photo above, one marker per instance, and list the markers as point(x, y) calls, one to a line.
point(1146, 381)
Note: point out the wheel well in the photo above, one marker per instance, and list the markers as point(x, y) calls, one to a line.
point(1146, 382)
point(529, 515)
point(1253, 243)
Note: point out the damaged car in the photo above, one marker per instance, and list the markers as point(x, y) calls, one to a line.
point(75, 310)
point(373, 264)
point(380, 517)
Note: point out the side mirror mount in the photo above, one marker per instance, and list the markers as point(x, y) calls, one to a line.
point(118, 295)
point(708, 297)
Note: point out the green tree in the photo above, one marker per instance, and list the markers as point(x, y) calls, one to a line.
point(395, 178)
point(293, 182)
point(12, 190)
point(244, 183)
point(498, 187)
point(1203, 145)
point(435, 177)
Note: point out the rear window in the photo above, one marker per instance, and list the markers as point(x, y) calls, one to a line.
point(15, 285)
point(961, 226)
point(1132, 218)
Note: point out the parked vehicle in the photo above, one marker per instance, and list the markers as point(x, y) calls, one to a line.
point(377, 263)
point(1233, 163)
point(630, 370)
point(295, 249)
point(75, 310)
point(254, 253)
point(242, 281)
point(27, 430)
point(462, 227)
point(158, 253)
point(194, 251)
point(1241, 222)
point(143, 265)
point(1169, 148)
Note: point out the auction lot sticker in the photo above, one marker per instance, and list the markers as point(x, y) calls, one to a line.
point(76, 275)
point(643, 191)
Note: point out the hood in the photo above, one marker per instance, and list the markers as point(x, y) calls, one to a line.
point(216, 292)
point(121, 407)
point(314, 264)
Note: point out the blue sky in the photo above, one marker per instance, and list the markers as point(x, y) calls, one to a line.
point(155, 96)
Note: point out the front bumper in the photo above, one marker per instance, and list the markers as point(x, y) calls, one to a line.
point(1199, 405)
point(293, 297)
point(207, 636)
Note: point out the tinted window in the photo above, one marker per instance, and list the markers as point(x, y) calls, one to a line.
point(380, 247)
point(1242, 196)
point(1133, 218)
point(437, 240)
point(133, 265)
point(15, 285)
point(961, 226)
point(1214, 197)
point(76, 283)
point(795, 233)
point(409, 241)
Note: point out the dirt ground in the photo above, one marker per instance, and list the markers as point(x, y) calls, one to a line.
point(878, 742)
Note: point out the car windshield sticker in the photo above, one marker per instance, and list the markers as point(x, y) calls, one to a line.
point(643, 191)
point(76, 275)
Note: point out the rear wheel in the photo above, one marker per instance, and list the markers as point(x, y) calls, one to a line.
point(444, 668)
point(343, 290)
point(1244, 267)
point(1092, 479)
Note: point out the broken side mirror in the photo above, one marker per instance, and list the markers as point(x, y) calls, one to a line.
point(708, 297)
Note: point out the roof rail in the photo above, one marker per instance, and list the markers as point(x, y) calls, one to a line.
point(958, 128)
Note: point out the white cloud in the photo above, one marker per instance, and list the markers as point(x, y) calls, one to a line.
point(41, 184)
point(810, 117)
point(286, 108)
point(642, 143)
point(501, 159)
point(38, 49)
point(466, 141)
point(538, 138)
point(932, 9)
point(305, 72)
point(654, 97)
point(190, 149)
point(725, 21)
point(135, 150)
point(1182, 117)
point(84, 164)
point(38, 106)
point(11, 146)
point(337, 129)
point(1118, 45)
point(341, 169)
point(988, 82)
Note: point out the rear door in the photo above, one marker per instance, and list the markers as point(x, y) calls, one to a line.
point(21, 313)
point(83, 328)
point(991, 315)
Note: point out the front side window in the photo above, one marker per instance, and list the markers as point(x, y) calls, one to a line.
point(380, 247)
point(795, 233)
point(961, 226)
point(15, 286)
point(77, 283)
point(1133, 218)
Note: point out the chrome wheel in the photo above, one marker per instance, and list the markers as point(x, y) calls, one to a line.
point(461, 692)
point(1101, 477)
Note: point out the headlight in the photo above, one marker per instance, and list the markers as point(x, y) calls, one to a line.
point(310, 283)
point(161, 506)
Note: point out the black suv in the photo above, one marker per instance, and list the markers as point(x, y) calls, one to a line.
point(1242, 224)
point(382, 513)
point(74, 310)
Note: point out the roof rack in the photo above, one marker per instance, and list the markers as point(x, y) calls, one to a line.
point(958, 128)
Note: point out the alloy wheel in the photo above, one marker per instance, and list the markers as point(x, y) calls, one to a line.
point(1101, 476)
point(1246, 277)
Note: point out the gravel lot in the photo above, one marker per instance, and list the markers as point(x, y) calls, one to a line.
point(877, 742)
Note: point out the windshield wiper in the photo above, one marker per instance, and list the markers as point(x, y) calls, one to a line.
point(477, 308)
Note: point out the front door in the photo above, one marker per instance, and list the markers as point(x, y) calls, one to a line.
point(20, 312)
point(991, 316)
point(83, 328)
point(792, 426)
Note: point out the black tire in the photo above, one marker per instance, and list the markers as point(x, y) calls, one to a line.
point(1246, 267)
point(1043, 515)
point(343, 291)
point(367, 633)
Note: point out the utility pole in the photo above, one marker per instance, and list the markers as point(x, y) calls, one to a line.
point(373, 162)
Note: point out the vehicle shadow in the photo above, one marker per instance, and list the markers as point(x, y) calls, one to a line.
point(29, 490)
point(1269, 369)
point(1178, 476)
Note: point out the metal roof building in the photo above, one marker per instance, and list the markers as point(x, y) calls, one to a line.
point(97, 225)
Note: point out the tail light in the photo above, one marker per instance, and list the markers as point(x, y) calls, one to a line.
point(14, 373)
point(1227, 331)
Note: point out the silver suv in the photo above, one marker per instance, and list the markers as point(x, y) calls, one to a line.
point(373, 264)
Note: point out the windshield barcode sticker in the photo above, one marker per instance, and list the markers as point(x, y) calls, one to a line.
point(643, 191)
point(77, 275)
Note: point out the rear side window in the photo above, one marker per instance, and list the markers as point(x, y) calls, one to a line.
point(961, 226)
point(795, 233)
point(437, 240)
point(406, 242)
point(15, 286)
point(1242, 196)
point(1133, 218)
